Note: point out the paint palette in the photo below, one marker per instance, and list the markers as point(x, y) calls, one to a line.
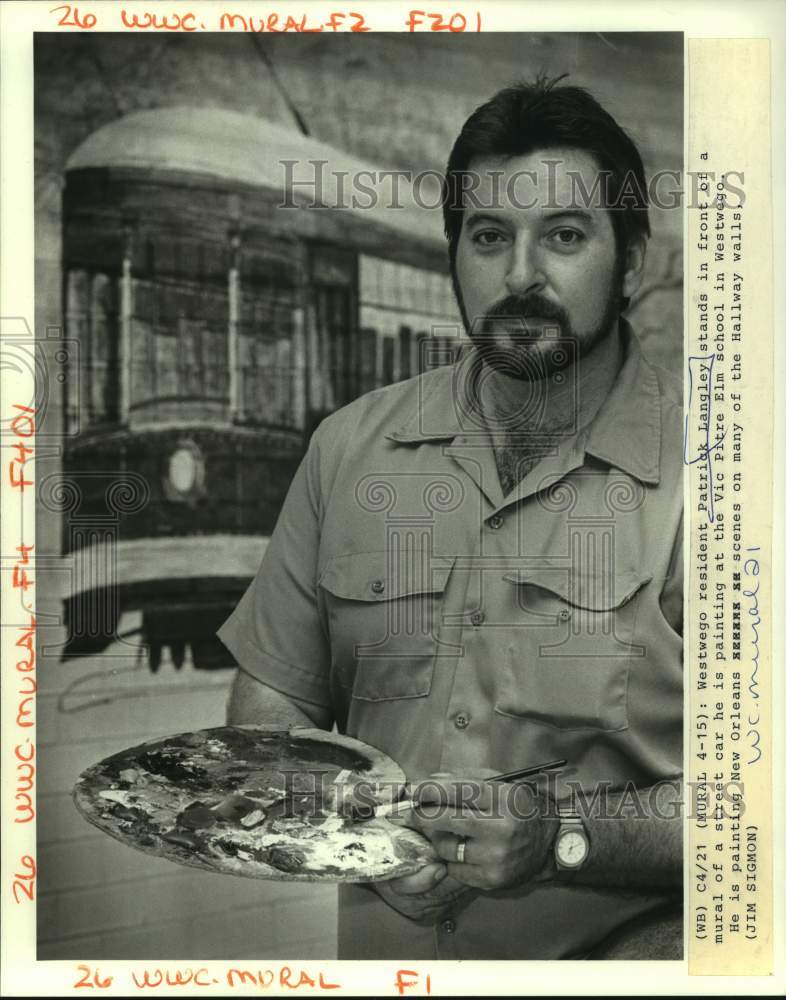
point(294, 804)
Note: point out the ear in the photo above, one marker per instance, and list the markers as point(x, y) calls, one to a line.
point(634, 266)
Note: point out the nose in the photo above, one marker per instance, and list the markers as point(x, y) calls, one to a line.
point(525, 273)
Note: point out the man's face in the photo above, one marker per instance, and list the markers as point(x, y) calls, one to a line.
point(538, 270)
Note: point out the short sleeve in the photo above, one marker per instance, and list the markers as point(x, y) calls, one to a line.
point(276, 632)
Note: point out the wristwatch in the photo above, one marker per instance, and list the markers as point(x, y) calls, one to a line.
point(571, 844)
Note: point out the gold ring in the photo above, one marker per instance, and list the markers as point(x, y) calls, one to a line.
point(461, 850)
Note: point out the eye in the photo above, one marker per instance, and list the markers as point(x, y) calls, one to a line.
point(487, 238)
point(567, 238)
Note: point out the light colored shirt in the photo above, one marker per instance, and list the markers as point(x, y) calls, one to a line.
point(456, 628)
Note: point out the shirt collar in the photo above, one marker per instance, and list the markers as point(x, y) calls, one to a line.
point(625, 433)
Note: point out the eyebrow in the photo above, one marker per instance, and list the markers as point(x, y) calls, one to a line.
point(476, 218)
point(481, 218)
point(572, 213)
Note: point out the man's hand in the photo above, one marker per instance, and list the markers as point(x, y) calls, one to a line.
point(505, 828)
point(422, 896)
point(429, 892)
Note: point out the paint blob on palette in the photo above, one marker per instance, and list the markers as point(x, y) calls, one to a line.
point(294, 804)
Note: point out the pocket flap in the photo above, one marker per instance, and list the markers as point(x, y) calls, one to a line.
point(592, 591)
point(383, 576)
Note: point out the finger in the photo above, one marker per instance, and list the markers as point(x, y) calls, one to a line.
point(447, 846)
point(471, 796)
point(448, 821)
point(472, 875)
point(429, 826)
point(470, 791)
point(433, 814)
point(405, 816)
point(421, 881)
point(438, 821)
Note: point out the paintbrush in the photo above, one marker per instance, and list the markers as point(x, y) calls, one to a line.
point(401, 806)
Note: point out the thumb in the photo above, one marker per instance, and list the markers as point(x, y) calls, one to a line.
point(421, 881)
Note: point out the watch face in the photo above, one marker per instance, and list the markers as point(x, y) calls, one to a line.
point(572, 848)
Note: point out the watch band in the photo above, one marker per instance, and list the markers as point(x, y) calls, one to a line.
point(569, 819)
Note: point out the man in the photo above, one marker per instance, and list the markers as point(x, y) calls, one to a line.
point(480, 569)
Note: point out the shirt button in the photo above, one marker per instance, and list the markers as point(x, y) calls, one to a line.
point(477, 618)
point(565, 614)
point(461, 721)
point(449, 926)
point(378, 586)
point(495, 522)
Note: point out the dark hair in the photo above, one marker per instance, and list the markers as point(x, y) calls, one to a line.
point(532, 116)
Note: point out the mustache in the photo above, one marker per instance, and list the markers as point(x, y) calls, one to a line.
point(524, 307)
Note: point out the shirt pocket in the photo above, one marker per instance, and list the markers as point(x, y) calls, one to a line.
point(384, 618)
point(571, 667)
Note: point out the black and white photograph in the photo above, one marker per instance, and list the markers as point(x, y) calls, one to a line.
point(360, 495)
